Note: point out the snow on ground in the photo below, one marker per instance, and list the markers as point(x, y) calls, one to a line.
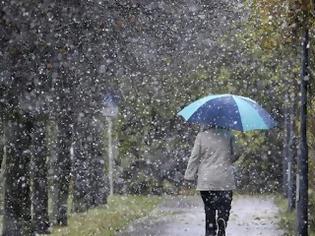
point(184, 216)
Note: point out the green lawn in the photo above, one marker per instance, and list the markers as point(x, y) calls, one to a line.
point(107, 220)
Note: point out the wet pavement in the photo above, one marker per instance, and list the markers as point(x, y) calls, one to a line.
point(184, 216)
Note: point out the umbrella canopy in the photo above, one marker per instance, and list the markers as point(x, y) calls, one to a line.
point(228, 111)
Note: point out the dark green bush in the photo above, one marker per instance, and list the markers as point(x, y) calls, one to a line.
point(259, 168)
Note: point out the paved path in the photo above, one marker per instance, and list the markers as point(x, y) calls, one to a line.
point(184, 216)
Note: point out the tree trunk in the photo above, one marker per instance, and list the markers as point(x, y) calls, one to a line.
point(17, 200)
point(40, 181)
point(100, 188)
point(62, 167)
point(1, 143)
point(81, 170)
point(302, 162)
point(292, 155)
point(90, 187)
point(52, 163)
point(286, 138)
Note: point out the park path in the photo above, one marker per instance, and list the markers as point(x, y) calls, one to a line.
point(184, 216)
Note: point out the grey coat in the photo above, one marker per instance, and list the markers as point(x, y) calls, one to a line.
point(211, 159)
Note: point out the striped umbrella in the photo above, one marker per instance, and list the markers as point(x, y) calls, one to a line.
point(228, 111)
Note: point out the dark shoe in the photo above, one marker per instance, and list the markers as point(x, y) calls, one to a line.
point(211, 234)
point(222, 226)
point(42, 229)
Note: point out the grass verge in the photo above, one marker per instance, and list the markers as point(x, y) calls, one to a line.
point(108, 220)
point(287, 218)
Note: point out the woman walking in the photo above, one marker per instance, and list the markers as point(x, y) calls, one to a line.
point(211, 160)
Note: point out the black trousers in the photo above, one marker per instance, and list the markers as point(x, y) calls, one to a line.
point(217, 205)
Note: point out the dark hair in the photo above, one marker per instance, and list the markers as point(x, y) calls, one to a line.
point(211, 126)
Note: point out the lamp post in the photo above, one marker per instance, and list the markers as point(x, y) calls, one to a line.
point(110, 156)
point(110, 111)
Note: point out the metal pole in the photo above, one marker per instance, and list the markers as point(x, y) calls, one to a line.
point(302, 191)
point(110, 156)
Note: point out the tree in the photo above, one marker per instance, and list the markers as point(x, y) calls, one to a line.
point(82, 188)
point(62, 169)
point(1, 143)
point(20, 61)
point(40, 178)
point(17, 203)
point(90, 188)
